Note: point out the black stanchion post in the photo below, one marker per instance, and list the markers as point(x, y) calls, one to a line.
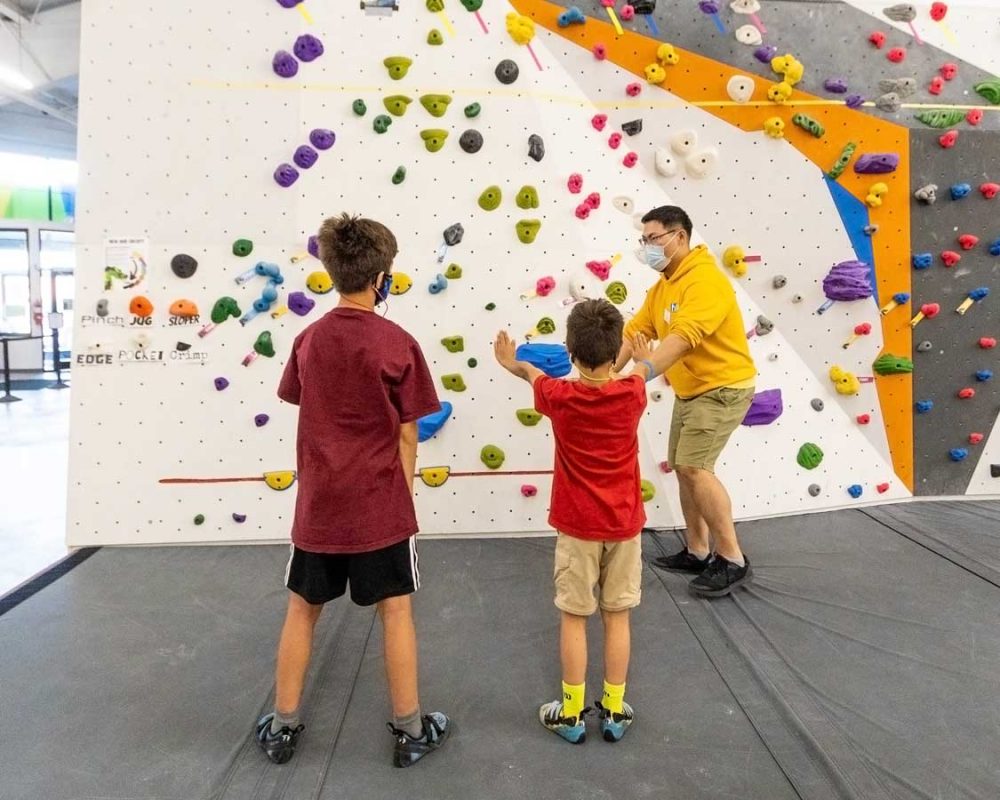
point(57, 361)
point(7, 396)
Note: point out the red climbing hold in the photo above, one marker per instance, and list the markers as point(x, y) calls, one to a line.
point(967, 241)
point(877, 39)
point(936, 85)
point(882, 488)
point(665, 467)
point(575, 183)
point(599, 121)
point(967, 393)
point(528, 490)
point(987, 342)
point(975, 438)
point(975, 116)
point(864, 419)
point(633, 89)
point(600, 51)
point(938, 10)
point(948, 139)
point(614, 140)
point(950, 258)
point(582, 211)
point(593, 200)
point(948, 70)
point(630, 160)
point(896, 55)
point(989, 190)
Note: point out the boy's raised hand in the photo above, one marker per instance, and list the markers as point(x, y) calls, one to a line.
point(640, 347)
point(504, 350)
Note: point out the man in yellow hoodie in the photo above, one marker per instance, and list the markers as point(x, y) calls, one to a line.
point(703, 352)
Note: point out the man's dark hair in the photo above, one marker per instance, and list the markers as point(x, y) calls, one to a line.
point(355, 250)
point(594, 333)
point(670, 217)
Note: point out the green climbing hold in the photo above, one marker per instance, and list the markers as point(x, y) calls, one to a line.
point(224, 308)
point(492, 456)
point(888, 364)
point(453, 344)
point(990, 90)
point(490, 199)
point(454, 272)
point(359, 107)
point(435, 5)
point(473, 363)
point(546, 325)
point(398, 66)
point(242, 247)
point(808, 124)
point(527, 197)
point(434, 139)
point(648, 490)
point(809, 455)
point(396, 104)
point(491, 306)
point(527, 230)
point(528, 417)
point(472, 110)
point(264, 346)
point(381, 123)
point(435, 37)
point(842, 161)
point(436, 104)
point(941, 117)
point(199, 519)
point(616, 292)
point(453, 382)
point(399, 175)
point(472, 5)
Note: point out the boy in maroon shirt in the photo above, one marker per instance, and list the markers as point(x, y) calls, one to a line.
point(361, 384)
point(596, 508)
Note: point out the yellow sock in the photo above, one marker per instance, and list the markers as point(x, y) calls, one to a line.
point(613, 698)
point(572, 699)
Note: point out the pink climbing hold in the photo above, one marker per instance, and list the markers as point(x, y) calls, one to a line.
point(602, 269)
point(896, 55)
point(608, 3)
point(967, 393)
point(665, 467)
point(600, 51)
point(627, 13)
point(937, 85)
point(528, 490)
point(989, 190)
point(582, 211)
point(593, 200)
point(987, 343)
point(614, 141)
point(938, 10)
point(975, 116)
point(598, 121)
point(575, 183)
point(630, 160)
point(947, 140)
point(864, 419)
point(967, 241)
point(877, 38)
point(882, 488)
point(950, 258)
point(948, 70)
point(975, 438)
point(633, 89)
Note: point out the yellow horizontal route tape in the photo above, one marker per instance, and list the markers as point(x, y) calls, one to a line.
point(305, 13)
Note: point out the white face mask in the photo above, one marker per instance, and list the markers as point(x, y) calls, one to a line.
point(655, 256)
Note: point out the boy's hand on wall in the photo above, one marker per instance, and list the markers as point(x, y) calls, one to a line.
point(640, 347)
point(504, 350)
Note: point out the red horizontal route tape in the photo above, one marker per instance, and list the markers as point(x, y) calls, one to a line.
point(450, 475)
point(210, 480)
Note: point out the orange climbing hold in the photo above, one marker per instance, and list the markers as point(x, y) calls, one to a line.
point(140, 306)
point(183, 308)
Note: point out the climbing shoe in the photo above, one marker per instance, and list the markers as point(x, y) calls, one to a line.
point(720, 577)
point(409, 750)
point(278, 747)
point(613, 724)
point(572, 729)
point(682, 562)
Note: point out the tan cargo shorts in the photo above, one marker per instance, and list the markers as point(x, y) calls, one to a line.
point(591, 573)
point(701, 426)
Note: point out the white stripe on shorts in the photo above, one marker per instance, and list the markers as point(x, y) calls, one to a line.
point(414, 561)
point(288, 567)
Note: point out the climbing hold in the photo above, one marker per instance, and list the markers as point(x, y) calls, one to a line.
point(854, 101)
point(454, 344)
point(492, 456)
point(789, 67)
point(399, 176)
point(631, 159)
point(842, 161)
point(264, 345)
point(936, 86)
point(633, 89)
point(950, 258)
point(308, 48)
point(765, 53)
point(975, 116)
point(401, 283)
point(381, 123)
point(472, 110)
point(600, 51)
point(809, 125)
point(319, 282)
point(598, 121)
point(922, 260)
point(260, 420)
point(183, 265)
point(809, 456)
point(614, 141)
point(552, 359)
point(436, 104)
point(863, 419)
point(966, 393)
point(778, 281)
point(593, 201)
point(430, 424)
point(870, 230)
point(655, 74)
point(890, 102)
point(882, 488)
point(472, 363)
point(938, 10)
point(239, 517)
point(453, 382)
point(624, 204)
point(975, 438)
point(628, 12)
point(242, 247)
point(958, 454)
point(940, 117)
point(989, 190)
point(601, 269)
point(527, 197)
point(199, 519)
point(102, 307)
point(528, 417)
point(896, 55)
point(633, 127)
point(224, 308)
point(438, 285)
point(947, 140)
point(888, 364)
point(575, 183)
point(280, 480)
point(765, 408)
point(507, 72)
point(397, 66)
point(926, 194)
point(616, 292)
point(774, 127)
point(184, 309)
point(434, 37)
point(927, 311)
point(299, 304)
point(702, 163)
point(359, 107)
point(527, 490)
point(454, 272)
point(924, 406)
point(835, 85)
point(571, 16)
point(875, 194)
point(471, 141)
point(734, 258)
point(877, 38)
point(536, 147)
point(472, 5)
point(285, 175)
point(665, 163)
point(543, 327)
point(647, 490)
point(960, 190)
point(740, 88)
point(855, 491)
point(284, 64)
point(527, 230)
point(434, 139)
point(814, 489)
point(990, 90)
point(779, 92)
point(220, 384)
point(667, 55)
point(987, 343)
point(305, 156)
point(984, 375)
point(749, 35)
point(817, 404)
point(967, 241)
point(876, 163)
point(844, 382)
point(397, 104)
point(140, 307)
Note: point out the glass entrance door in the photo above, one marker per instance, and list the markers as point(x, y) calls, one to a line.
point(15, 292)
point(57, 257)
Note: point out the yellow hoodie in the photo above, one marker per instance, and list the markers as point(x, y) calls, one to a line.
point(698, 304)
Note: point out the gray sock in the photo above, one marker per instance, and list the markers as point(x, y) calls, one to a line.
point(413, 724)
point(700, 556)
point(289, 720)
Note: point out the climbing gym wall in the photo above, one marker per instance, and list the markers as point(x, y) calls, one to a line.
point(511, 158)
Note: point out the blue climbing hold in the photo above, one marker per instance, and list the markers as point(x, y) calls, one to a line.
point(995, 248)
point(922, 260)
point(960, 190)
point(571, 16)
point(855, 491)
point(958, 454)
point(552, 359)
point(432, 423)
point(923, 406)
point(438, 285)
point(984, 375)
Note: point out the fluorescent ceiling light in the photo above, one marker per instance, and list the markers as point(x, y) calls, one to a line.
point(15, 79)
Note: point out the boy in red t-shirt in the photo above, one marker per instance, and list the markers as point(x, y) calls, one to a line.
point(596, 508)
point(361, 384)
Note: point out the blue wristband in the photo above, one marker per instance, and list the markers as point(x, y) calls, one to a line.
point(649, 369)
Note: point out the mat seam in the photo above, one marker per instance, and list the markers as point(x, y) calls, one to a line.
point(44, 579)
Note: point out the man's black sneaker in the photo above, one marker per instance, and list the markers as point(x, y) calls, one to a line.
point(408, 751)
point(682, 562)
point(720, 577)
point(280, 746)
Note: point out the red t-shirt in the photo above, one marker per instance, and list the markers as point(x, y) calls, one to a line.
point(355, 377)
point(595, 488)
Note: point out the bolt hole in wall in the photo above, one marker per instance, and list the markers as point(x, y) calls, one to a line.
point(171, 139)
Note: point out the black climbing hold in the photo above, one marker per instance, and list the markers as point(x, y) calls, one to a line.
point(995, 470)
point(507, 71)
point(817, 404)
point(453, 234)
point(472, 362)
point(536, 147)
point(183, 265)
point(491, 306)
point(471, 141)
point(183, 347)
point(399, 175)
point(633, 127)
point(199, 519)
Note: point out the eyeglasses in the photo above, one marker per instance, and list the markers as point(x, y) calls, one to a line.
point(645, 240)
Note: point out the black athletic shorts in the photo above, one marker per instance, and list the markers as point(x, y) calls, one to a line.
point(320, 577)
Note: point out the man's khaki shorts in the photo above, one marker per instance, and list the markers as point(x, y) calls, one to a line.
point(702, 425)
point(614, 569)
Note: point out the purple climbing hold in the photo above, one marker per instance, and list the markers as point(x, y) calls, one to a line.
point(221, 383)
point(322, 139)
point(308, 47)
point(305, 156)
point(835, 85)
point(299, 304)
point(854, 101)
point(284, 64)
point(765, 408)
point(876, 163)
point(765, 53)
point(239, 517)
point(313, 246)
point(288, 3)
point(848, 280)
point(709, 6)
point(285, 175)
point(261, 420)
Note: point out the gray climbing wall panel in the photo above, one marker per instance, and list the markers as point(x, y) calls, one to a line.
point(939, 373)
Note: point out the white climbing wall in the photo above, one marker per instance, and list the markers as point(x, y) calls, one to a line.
point(182, 124)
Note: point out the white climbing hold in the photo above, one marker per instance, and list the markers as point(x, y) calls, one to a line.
point(702, 163)
point(624, 204)
point(745, 6)
point(740, 88)
point(683, 142)
point(665, 163)
point(749, 35)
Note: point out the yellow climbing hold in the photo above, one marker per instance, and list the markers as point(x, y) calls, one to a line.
point(279, 481)
point(520, 28)
point(527, 230)
point(435, 37)
point(319, 282)
point(875, 194)
point(667, 55)
point(774, 127)
point(655, 74)
point(779, 92)
point(528, 417)
point(453, 382)
point(648, 490)
point(453, 344)
point(434, 139)
point(398, 66)
point(436, 104)
point(734, 258)
point(401, 283)
point(434, 476)
point(843, 381)
point(396, 104)
point(789, 67)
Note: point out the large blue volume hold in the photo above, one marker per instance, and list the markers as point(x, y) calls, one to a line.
point(432, 423)
point(552, 359)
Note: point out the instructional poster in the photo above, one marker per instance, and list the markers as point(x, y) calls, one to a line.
point(125, 260)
